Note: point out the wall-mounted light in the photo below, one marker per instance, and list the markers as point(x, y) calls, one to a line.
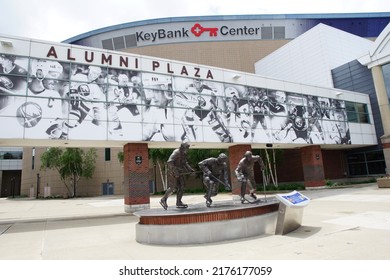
point(236, 76)
point(6, 43)
point(338, 93)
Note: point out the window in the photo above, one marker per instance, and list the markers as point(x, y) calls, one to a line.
point(107, 44)
point(266, 33)
point(131, 40)
point(119, 43)
point(11, 155)
point(279, 32)
point(366, 163)
point(107, 154)
point(357, 112)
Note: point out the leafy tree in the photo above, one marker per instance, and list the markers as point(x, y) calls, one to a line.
point(159, 158)
point(196, 155)
point(121, 157)
point(72, 164)
point(271, 159)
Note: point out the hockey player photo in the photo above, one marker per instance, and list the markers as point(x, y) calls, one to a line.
point(294, 129)
point(258, 108)
point(158, 112)
point(87, 115)
point(236, 113)
point(44, 92)
point(13, 83)
point(124, 104)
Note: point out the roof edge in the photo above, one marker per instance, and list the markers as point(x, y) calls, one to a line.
point(222, 17)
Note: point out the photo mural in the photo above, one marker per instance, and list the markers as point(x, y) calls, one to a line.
point(48, 99)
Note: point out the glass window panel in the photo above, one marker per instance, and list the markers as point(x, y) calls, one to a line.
point(361, 108)
point(350, 106)
point(131, 40)
point(279, 32)
point(377, 167)
point(107, 154)
point(364, 118)
point(356, 158)
point(357, 169)
point(266, 32)
point(11, 155)
point(107, 44)
point(377, 155)
point(119, 43)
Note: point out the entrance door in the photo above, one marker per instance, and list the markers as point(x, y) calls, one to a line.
point(10, 183)
point(108, 188)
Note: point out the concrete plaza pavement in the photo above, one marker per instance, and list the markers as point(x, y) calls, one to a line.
point(351, 223)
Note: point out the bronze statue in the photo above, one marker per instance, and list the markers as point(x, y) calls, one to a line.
point(244, 174)
point(214, 173)
point(177, 168)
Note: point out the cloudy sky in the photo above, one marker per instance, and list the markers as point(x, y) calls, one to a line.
point(55, 20)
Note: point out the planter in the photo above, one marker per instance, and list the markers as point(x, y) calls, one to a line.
point(383, 182)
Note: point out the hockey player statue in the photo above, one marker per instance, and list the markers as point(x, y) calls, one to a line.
point(244, 173)
point(177, 168)
point(214, 173)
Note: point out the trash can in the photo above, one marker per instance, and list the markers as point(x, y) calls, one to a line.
point(290, 211)
point(47, 191)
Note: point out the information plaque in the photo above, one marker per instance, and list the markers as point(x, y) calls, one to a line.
point(293, 199)
point(290, 211)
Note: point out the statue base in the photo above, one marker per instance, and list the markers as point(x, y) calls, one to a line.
point(198, 224)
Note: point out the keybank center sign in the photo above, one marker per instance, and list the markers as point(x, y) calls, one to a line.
point(198, 30)
point(203, 31)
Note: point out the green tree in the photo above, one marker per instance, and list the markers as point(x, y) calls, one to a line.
point(72, 164)
point(271, 159)
point(121, 157)
point(159, 158)
point(197, 155)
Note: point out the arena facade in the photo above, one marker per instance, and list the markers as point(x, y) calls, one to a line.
point(202, 70)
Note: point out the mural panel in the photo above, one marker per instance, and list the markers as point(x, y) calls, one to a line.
point(47, 99)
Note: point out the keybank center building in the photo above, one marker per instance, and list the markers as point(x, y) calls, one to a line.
point(310, 85)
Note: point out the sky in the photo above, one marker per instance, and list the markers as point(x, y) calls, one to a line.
point(56, 21)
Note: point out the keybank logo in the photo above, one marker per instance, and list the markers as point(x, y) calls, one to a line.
point(198, 30)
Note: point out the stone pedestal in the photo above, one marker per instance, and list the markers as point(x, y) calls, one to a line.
point(383, 182)
point(136, 175)
point(198, 224)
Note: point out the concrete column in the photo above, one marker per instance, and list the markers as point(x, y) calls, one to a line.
point(136, 177)
point(384, 108)
point(313, 166)
point(236, 153)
